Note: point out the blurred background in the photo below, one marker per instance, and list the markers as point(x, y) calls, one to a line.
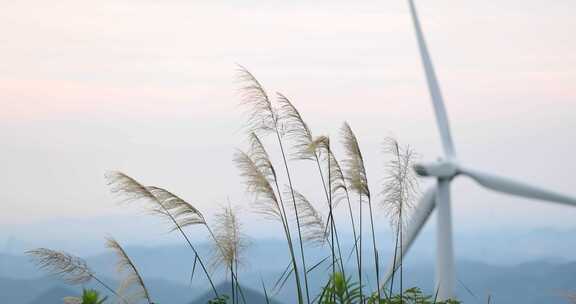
point(149, 88)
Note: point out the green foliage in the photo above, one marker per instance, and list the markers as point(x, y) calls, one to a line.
point(219, 300)
point(410, 296)
point(340, 290)
point(91, 296)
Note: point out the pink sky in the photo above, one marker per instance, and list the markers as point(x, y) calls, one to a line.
point(148, 87)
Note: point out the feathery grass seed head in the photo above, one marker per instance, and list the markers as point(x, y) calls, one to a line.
point(229, 241)
point(132, 286)
point(401, 187)
point(69, 268)
point(261, 115)
point(354, 163)
point(311, 221)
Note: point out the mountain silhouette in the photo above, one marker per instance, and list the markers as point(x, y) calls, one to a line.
point(53, 295)
point(250, 295)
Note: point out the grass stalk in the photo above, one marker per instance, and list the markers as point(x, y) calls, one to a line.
point(354, 233)
point(328, 193)
point(208, 276)
point(301, 243)
point(133, 190)
point(232, 287)
point(374, 248)
point(264, 118)
point(233, 272)
point(107, 287)
point(394, 268)
point(360, 249)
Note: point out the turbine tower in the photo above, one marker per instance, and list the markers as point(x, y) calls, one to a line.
point(444, 171)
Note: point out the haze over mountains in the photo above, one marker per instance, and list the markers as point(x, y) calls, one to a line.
point(537, 282)
point(85, 237)
point(527, 267)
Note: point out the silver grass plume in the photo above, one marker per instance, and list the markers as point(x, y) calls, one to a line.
point(354, 164)
point(72, 300)
point(296, 130)
point(69, 268)
point(337, 180)
point(307, 147)
point(262, 116)
point(401, 187)
point(229, 240)
point(304, 145)
point(257, 172)
point(311, 221)
point(132, 285)
point(339, 193)
point(160, 202)
point(131, 189)
point(261, 158)
point(183, 212)
point(358, 181)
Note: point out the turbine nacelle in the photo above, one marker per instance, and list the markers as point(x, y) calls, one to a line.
point(442, 169)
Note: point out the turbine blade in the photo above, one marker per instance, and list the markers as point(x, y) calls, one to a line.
point(418, 218)
point(509, 186)
point(433, 87)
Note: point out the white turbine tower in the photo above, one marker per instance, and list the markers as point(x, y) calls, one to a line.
point(444, 170)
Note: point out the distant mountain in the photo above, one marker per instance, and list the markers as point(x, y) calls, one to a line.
point(48, 290)
point(54, 295)
point(528, 283)
point(167, 271)
point(250, 295)
point(164, 291)
point(496, 247)
point(51, 291)
point(17, 291)
point(17, 267)
point(521, 244)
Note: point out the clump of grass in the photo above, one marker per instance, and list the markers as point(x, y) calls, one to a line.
point(307, 225)
point(261, 180)
point(306, 147)
point(263, 118)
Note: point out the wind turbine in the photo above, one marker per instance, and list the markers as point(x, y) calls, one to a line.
point(444, 171)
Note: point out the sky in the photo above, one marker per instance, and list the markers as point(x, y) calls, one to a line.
point(148, 88)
